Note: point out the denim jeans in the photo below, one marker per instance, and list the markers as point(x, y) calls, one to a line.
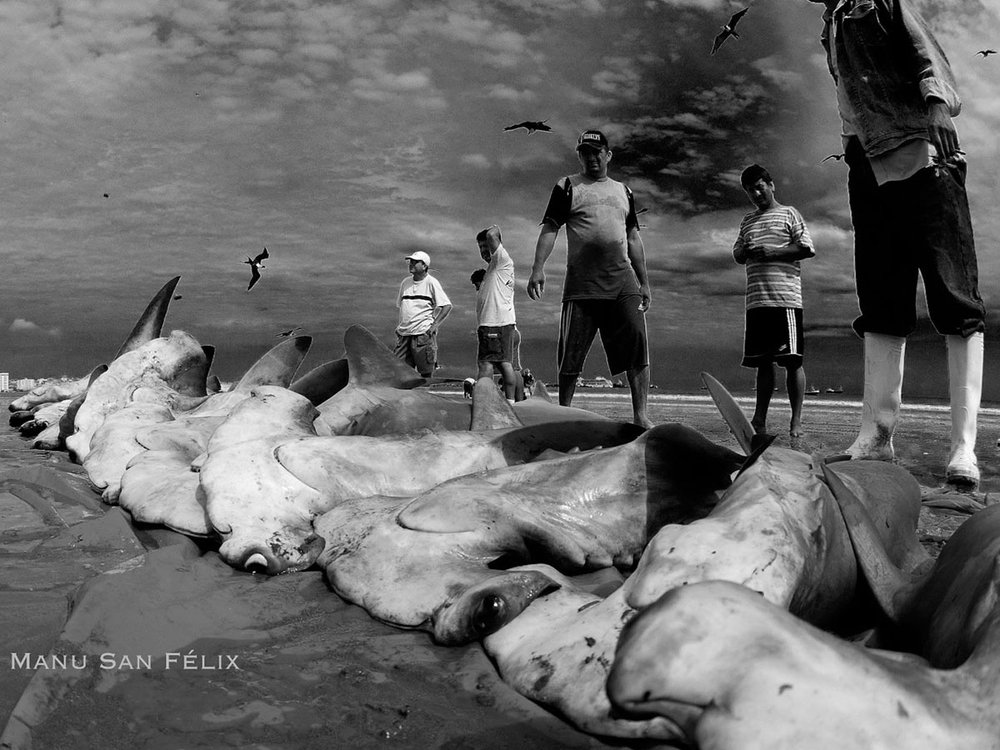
point(918, 225)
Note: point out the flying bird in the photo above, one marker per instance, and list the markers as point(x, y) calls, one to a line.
point(531, 126)
point(289, 332)
point(178, 296)
point(729, 29)
point(255, 265)
point(838, 157)
point(986, 52)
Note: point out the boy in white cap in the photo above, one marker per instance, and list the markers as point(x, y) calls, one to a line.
point(423, 306)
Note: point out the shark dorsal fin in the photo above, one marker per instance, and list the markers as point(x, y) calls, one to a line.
point(490, 410)
point(277, 366)
point(150, 323)
point(370, 362)
point(539, 391)
point(322, 381)
point(734, 417)
point(191, 382)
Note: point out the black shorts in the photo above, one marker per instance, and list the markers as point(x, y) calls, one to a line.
point(496, 343)
point(773, 334)
point(623, 333)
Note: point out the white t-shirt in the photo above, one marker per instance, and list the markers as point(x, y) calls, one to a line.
point(495, 298)
point(416, 302)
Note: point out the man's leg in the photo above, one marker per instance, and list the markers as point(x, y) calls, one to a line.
point(965, 385)
point(509, 380)
point(425, 353)
point(577, 329)
point(764, 384)
point(638, 383)
point(883, 391)
point(567, 388)
point(795, 384)
point(885, 271)
point(950, 271)
point(402, 349)
point(623, 332)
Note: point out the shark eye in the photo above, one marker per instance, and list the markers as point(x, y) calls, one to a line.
point(490, 615)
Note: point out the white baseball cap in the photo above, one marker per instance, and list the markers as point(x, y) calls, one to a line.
point(421, 256)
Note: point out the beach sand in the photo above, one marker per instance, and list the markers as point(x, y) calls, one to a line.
point(170, 648)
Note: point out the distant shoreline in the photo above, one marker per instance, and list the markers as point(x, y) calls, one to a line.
point(826, 400)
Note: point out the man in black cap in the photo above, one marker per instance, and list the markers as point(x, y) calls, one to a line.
point(606, 286)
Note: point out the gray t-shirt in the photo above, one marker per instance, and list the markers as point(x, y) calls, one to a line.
point(598, 215)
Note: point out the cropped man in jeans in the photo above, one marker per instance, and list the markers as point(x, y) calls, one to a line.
point(910, 211)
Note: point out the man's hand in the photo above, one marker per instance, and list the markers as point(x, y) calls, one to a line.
point(647, 297)
point(536, 284)
point(942, 131)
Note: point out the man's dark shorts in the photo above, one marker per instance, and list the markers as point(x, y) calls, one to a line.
point(773, 334)
point(920, 225)
point(419, 352)
point(496, 343)
point(622, 326)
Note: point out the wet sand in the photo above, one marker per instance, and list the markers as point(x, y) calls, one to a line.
point(174, 649)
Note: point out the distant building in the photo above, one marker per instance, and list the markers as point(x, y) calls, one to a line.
point(24, 384)
point(4, 381)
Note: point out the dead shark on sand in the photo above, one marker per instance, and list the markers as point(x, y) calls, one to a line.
point(777, 528)
point(267, 474)
point(408, 563)
point(383, 397)
point(734, 672)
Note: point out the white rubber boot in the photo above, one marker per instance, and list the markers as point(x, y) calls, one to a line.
point(882, 397)
point(965, 387)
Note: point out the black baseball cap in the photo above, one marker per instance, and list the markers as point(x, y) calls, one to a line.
point(591, 139)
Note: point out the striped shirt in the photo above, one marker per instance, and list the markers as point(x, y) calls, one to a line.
point(773, 283)
point(416, 302)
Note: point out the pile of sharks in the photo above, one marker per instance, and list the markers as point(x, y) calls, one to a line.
point(644, 585)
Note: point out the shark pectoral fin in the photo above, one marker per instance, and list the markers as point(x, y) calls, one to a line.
point(887, 581)
point(372, 363)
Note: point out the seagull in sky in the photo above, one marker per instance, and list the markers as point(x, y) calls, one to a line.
point(255, 265)
point(729, 29)
point(838, 157)
point(531, 126)
point(289, 332)
point(986, 52)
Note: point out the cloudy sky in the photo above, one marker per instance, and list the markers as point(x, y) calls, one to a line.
point(142, 139)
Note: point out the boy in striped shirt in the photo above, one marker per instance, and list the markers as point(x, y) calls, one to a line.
point(771, 242)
